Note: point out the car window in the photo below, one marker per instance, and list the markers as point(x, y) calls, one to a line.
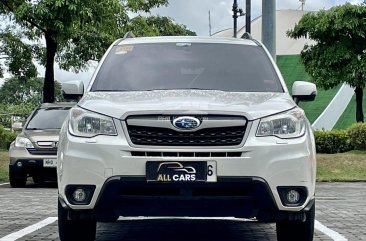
point(227, 67)
point(50, 118)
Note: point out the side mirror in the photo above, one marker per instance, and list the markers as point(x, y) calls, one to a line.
point(303, 91)
point(17, 126)
point(72, 90)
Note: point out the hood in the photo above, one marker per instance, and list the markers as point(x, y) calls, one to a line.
point(42, 135)
point(252, 105)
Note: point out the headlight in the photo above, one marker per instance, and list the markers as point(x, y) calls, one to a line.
point(284, 125)
point(23, 142)
point(88, 124)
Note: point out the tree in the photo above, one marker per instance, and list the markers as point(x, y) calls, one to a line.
point(19, 97)
point(74, 31)
point(16, 91)
point(339, 54)
point(157, 26)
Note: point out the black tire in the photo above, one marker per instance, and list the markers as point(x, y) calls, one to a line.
point(75, 230)
point(295, 230)
point(38, 179)
point(17, 180)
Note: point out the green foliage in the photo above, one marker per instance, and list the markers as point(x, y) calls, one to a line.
point(6, 138)
point(75, 31)
point(157, 26)
point(334, 141)
point(339, 53)
point(357, 136)
point(18, 55)
point(16, 91)
point(20, 97)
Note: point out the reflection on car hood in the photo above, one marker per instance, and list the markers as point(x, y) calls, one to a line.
point(121, 104)
point(41, 135)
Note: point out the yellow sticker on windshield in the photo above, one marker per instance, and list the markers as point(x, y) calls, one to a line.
point(124, 49)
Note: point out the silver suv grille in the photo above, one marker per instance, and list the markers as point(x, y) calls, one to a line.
point(159, 131)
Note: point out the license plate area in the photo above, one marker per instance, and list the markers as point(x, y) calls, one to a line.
point(181, 171)
point(49, 162)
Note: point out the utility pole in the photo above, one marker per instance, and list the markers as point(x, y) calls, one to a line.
point(269, 26)
point(302, 4)
point(209, 23)
point(237, 12)
point(248, 20)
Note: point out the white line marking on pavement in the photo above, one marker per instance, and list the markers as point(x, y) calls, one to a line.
point(2, 184)
point(29, 229)
point(327, 231)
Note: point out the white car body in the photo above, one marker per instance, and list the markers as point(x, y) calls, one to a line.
point(273, 161)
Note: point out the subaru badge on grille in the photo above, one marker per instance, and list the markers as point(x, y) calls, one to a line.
point(186, 123)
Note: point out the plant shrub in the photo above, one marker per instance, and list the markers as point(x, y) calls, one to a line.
point(6, 138)
point(357, 136)
point(333, 141)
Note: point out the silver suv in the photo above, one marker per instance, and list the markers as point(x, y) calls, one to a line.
point(33, 153)
point(187, 126)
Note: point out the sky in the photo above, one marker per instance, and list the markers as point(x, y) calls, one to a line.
point(194, 14)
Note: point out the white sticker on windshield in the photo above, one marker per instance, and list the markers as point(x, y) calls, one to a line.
point(124, 49)
point(183, 44)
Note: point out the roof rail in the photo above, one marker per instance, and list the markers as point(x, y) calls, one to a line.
point(129, 34)
point(247, 36)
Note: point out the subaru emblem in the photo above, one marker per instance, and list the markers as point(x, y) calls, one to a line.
point(186, 123)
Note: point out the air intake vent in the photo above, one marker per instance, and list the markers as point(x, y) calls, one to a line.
point(185, 154)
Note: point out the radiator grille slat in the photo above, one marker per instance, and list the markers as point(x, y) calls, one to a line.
point(50, 152)
point(154, 136)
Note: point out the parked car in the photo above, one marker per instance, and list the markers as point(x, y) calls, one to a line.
point(187, 126)
point(33, 153)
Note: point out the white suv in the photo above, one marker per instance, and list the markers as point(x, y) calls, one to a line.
point(187, 126)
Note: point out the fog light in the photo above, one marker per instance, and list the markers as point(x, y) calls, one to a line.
point(19, 164)
point(293, 196)
point(79, 195)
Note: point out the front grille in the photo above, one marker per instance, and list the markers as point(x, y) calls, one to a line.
point(48, 152)
point(184, 154)
point(154, 136)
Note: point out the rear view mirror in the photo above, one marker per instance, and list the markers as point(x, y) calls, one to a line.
point(72, 90)
point(17, 126)
point(303, 91)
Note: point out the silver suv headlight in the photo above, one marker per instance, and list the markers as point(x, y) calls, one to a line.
point(85, 123)
point(285, 125)
point(23, 142)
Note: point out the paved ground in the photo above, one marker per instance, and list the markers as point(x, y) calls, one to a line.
point(341, 207)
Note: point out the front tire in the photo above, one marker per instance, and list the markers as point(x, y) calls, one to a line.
point(75, 230)
point(296, 230)
point(17, 180)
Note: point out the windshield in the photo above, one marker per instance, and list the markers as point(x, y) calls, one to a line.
point(168, 66)
point(50, 118)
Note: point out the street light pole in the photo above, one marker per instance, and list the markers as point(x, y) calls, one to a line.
point(237, 12)
point(235, 16)
point(269, 26)
point(248, 20)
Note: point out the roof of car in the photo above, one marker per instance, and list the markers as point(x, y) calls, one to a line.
point(184, 39)
point(58, 104)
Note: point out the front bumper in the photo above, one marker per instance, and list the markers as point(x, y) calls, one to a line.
point(275, 161)
point(32, 167)
point(228, 197)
